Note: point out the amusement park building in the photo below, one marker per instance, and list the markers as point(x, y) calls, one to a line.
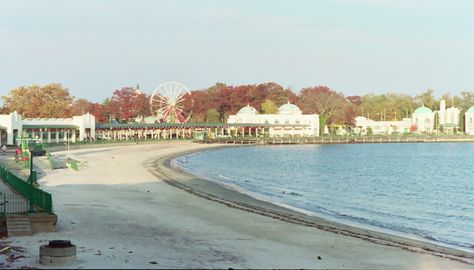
point(469, 121)
point(77, 128)
point(288, 121)
point(448, 118)
point(381, 127)
point(423, 120)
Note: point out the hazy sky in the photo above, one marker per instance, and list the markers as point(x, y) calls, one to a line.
point(353, 46)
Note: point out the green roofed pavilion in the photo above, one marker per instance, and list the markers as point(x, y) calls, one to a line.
point(423, 110)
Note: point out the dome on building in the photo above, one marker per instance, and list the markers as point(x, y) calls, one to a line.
point(289, 108)
point(248, 110)
point(470, 110)
point(423, 110)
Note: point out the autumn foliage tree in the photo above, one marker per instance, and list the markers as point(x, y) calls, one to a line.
point(220, 100)
point(127, 103)
point(51, 100)
point(329, 104)
point(230, 99)
point(79, 106)
point(83, 106)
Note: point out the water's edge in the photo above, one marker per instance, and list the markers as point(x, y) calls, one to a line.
point(162, 167)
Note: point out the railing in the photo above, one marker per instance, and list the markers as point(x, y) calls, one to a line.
point(340, 139)
point(12, 204)
point(62, 146)
point(40, 199)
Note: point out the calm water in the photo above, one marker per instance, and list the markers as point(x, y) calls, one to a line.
point(419, 190)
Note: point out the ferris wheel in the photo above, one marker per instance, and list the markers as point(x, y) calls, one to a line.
point(171, 102)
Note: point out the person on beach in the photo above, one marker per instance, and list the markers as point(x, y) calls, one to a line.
point(18, 154)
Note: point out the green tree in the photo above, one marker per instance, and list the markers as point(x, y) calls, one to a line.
point(466, 100)
point(370, 132)
point(51, 100)
point(389, 106)
point(269, 107)
point(427, 99)
point(451, 100)
point(213, 116)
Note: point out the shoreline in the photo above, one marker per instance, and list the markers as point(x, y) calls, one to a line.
point(223, 194)
point(121, 212)
point(376, 139)
point(325, 141)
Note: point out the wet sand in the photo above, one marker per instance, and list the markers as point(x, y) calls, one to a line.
point(129, 209)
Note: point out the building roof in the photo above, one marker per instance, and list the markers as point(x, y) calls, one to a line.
point(50, 125)
point(470, 110)
point(191, 125)
point(289, 108)
point(248, 110)
point(423, 110)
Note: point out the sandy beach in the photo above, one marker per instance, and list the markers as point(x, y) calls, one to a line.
point(128, 209)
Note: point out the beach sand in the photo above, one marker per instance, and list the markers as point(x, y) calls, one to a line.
point(124, 210)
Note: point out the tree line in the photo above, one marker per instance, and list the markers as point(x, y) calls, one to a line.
point(216, 103)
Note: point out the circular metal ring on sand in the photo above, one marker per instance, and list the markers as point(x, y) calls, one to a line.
point(57, 252)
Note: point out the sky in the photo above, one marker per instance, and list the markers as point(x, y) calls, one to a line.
point(357, 47)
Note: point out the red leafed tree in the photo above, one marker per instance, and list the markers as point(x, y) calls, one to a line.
point(98, 111)
point(240, 96)
point(326, 102)
point(224, 102)
point(78, 107)
point(356, 100)
point(349, 113)
point(127, 104)
point(230, 99)
point(83, 106)
point(320, 100)
point(278, 94)
point(141, 105)
point(201, 105)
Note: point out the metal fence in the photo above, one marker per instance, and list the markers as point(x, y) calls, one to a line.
point(13, 204)
point(41, 200)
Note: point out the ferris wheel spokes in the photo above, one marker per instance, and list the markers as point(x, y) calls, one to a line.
point(168, 102)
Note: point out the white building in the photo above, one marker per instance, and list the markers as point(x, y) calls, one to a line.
point(448, 117)
point(289, 121)
point(381, 127)
point(423, 119)
point(77, 128)
point(469, 121)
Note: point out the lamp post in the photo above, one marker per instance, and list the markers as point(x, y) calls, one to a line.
point(67, 140)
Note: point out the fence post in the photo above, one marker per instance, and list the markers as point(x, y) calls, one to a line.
point(4, 203)
point(30, 182)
